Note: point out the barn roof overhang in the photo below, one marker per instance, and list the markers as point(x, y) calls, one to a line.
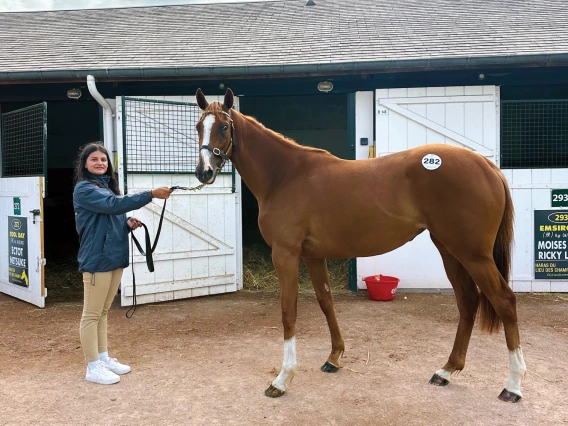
point(285, 70)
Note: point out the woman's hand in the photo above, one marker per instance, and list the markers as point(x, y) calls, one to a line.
point(133, 223)
point(162, 192)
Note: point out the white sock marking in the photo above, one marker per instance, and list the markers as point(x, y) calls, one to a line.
point(517, 370)
point(444, 374)
point(206, 154)
point(289, 366)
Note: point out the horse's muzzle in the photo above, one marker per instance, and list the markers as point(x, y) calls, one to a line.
point(205, 176)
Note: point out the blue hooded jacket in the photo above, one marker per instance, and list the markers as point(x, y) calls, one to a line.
point(100, 218)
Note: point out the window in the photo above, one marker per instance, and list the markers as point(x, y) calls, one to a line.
point(534, 134)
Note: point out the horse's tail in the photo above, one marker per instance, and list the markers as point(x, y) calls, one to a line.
point(488, 319)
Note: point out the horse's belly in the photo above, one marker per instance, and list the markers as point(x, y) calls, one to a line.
point(359, 241)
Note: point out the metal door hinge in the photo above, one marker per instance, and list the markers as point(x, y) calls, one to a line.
point(35, 212)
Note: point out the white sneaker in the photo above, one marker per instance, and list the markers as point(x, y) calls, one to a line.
point(116, 367)
point(101, 375)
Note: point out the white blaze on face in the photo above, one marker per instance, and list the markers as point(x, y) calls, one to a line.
point(517, 370)
point(206, 154)
point(288, 365)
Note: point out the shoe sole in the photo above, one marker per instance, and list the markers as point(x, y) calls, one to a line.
point(120, 373)
point(107, 382)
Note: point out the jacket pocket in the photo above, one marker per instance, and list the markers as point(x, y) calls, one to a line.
point(107, 244)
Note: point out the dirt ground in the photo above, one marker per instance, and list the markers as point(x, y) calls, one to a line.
point(207, 361)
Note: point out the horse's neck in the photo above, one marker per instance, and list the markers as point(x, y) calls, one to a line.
point(261, 160)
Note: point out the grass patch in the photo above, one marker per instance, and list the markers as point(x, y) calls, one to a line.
point(259, 273)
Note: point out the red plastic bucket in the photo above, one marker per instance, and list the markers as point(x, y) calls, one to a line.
point(381, 287)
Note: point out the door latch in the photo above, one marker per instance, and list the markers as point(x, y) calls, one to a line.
point(35, 212)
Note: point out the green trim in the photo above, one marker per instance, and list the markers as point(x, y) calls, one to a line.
point(351, 152)
point(44, 104)
point(20, 110)
point(422, 64)
point(157, 101)
point(353, 275)
point(173, 173)
point(124, 168)
point(351, 126)
point(101, 123)
point(516, 101)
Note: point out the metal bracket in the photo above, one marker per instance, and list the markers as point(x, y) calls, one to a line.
point(35, 212)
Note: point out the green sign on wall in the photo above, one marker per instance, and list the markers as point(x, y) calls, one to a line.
point(551, 244)
point(17, 206)
point(18, 251)
point(559, 198)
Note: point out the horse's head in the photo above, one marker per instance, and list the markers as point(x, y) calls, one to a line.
point(215, 132)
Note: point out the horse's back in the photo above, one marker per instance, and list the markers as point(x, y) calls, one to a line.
point(367, 207)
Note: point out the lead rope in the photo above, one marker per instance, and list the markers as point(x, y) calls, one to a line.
point(150, 248)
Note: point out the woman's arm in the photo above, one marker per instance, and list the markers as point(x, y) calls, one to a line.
point(101, 200)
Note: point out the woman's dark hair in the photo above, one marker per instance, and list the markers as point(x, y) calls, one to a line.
point(81, 172)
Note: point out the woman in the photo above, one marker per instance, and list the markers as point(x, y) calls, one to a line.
point(103, 254)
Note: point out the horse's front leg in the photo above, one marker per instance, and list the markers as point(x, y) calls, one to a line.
point(286, 264)
point(317, 268)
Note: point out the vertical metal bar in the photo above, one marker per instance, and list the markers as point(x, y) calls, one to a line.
point(351, 156)
point(351, 126)
point(44, 174)
point(124, 145)
point(2, 142)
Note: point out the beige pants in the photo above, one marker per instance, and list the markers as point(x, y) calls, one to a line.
point(100, 290)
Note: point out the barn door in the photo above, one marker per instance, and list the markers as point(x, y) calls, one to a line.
point(406, 118)
point(23, 141)
point(198, 253)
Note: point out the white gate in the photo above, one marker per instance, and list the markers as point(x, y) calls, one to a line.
point(199, 251)
point(407, 118)
point(23, 141)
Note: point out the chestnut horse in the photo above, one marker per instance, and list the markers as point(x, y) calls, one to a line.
point(315, 206)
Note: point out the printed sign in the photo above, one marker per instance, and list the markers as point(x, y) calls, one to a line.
point(551, 244)
point(17, 206)
point(18, 250)
point(559, 198)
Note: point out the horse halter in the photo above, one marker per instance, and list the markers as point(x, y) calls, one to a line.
point(217, 151)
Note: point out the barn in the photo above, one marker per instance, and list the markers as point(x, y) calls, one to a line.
point(358, 78)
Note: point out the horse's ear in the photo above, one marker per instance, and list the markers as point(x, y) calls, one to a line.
point(229, 98)
point(201, 101)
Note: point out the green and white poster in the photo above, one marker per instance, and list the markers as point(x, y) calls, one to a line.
point(551, 244)
point(18, 250)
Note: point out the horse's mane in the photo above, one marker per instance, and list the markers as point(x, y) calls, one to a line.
point(218, 107)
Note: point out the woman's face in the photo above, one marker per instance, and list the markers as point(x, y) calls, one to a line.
point(97, 163)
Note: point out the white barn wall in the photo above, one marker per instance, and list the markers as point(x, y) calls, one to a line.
point(530, 189)
point(418, 263)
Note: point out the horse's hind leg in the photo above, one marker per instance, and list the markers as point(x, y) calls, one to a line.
point(503, 306)
point(317, 268)
point(467, 299)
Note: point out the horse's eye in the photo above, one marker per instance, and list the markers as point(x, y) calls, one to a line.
point(225, 128)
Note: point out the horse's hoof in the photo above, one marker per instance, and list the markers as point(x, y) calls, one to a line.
point(328, 367)
point(273, 392)
point(507, 396)
point(439, 381)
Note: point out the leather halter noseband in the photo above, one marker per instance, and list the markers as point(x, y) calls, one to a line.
point(217, 151)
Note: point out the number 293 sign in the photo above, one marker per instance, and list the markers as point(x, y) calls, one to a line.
point(559, 198)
